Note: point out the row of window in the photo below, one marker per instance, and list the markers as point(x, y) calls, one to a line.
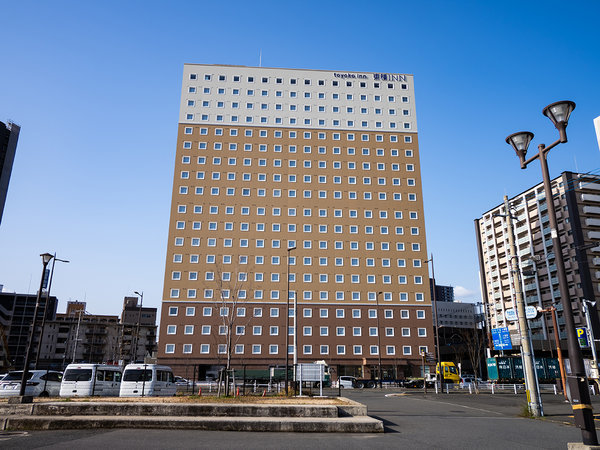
point(292, 228)
point(294, 193)
point(264, 120)
point(292, 163)
point(276, 243)
point(380, 80)
point(240, 311)
point(273, 349)
point(306, 108)
point(291, 212)
point(259, 294)
point(276, 260)
point(321, 135)
point(257, 330)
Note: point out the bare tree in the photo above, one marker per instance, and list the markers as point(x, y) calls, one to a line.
point(230, 300)
point(474, 345)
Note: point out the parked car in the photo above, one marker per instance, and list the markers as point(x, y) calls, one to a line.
point(40, 383)
point(347, 382)
point(468, 380)
point(180, 381)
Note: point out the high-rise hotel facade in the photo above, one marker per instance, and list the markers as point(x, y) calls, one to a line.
point(307, 172)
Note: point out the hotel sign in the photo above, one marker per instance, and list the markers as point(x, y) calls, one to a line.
point(376, 76)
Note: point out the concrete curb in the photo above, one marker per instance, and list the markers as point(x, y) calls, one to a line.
point(275, 424)
point(172, 410)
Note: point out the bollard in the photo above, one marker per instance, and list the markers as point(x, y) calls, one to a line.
point(470, 391)
point(492, 388)
point(264, 393)
point(555, 392)
point(436, 388)
point(593, 388)
point(515, 388)
point(200, 392)
point(237, 392)
point(447, 389)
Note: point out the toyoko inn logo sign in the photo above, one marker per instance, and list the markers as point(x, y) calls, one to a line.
point(376, 76)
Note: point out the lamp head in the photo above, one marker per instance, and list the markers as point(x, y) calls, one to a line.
point(520, 143)
point(46, 257)
point(559, 113)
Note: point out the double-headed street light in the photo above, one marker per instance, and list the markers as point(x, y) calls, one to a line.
point(46, 257)
point(559, 113)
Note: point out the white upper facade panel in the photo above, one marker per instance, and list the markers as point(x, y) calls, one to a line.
point(293, 98)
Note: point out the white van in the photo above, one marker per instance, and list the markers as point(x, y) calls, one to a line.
point(86, 380)
point(147, 380)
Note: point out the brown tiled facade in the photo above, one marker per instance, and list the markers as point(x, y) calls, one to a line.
point(328, 163)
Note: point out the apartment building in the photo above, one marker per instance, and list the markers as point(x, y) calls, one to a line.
point(577, 204)
point(310, 173)
point(9, 135)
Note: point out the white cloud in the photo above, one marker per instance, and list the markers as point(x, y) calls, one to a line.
point(463, 293)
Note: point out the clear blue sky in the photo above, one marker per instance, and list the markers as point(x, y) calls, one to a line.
point(95, 87)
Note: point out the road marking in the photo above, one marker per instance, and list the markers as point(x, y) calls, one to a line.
point(453, 404)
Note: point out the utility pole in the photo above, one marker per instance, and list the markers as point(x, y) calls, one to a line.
point(533, 399)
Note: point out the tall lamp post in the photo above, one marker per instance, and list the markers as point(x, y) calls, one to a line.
point(287, 323)
point(559, 113)
point(46, 257)
point(379, 341)
point(39, 346)
point(435, 326)
point(137, 328)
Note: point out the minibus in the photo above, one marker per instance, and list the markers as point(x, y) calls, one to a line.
point(87, 380)
point(147, 380)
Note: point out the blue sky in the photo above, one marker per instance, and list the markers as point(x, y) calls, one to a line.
point(95, 87)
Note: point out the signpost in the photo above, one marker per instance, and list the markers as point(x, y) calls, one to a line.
point(501, 338)
point(582, 337)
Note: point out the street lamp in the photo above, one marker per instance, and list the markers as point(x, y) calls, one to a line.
point(559, 114)
point(435, 325)
point(137, 329)
point(287, 322)
point(379, 340)
point(46, 257)
point(39, 346)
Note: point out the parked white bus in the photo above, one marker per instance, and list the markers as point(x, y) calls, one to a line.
point(86, 380)
point(147, 380)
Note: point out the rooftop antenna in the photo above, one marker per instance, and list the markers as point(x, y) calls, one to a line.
point(260, 58)
point(575, 159)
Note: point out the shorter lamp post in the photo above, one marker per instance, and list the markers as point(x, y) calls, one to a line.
point(137, 328)
point(39, 346)
point(561, 365)
point(287, 323)
point(435, 325)
point(46, 257)
point(379, 341)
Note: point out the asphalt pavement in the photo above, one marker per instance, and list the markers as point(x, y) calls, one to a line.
point(412, 420)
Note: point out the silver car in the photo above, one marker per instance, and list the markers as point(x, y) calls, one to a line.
point(40, 383)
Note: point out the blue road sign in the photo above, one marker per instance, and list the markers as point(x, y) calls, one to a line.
point(501, 338)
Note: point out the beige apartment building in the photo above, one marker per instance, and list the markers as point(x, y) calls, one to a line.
point(577, 204)
point(307, 172)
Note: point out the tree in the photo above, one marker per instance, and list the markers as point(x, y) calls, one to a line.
point(474, 344)
point(230, 296)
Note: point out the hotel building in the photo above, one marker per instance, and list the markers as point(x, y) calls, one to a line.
point(307, 172)
point(577, 203)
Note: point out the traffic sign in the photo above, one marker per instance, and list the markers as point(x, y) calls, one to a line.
point(510, 315)
point(582, 337)
point(501, 338)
